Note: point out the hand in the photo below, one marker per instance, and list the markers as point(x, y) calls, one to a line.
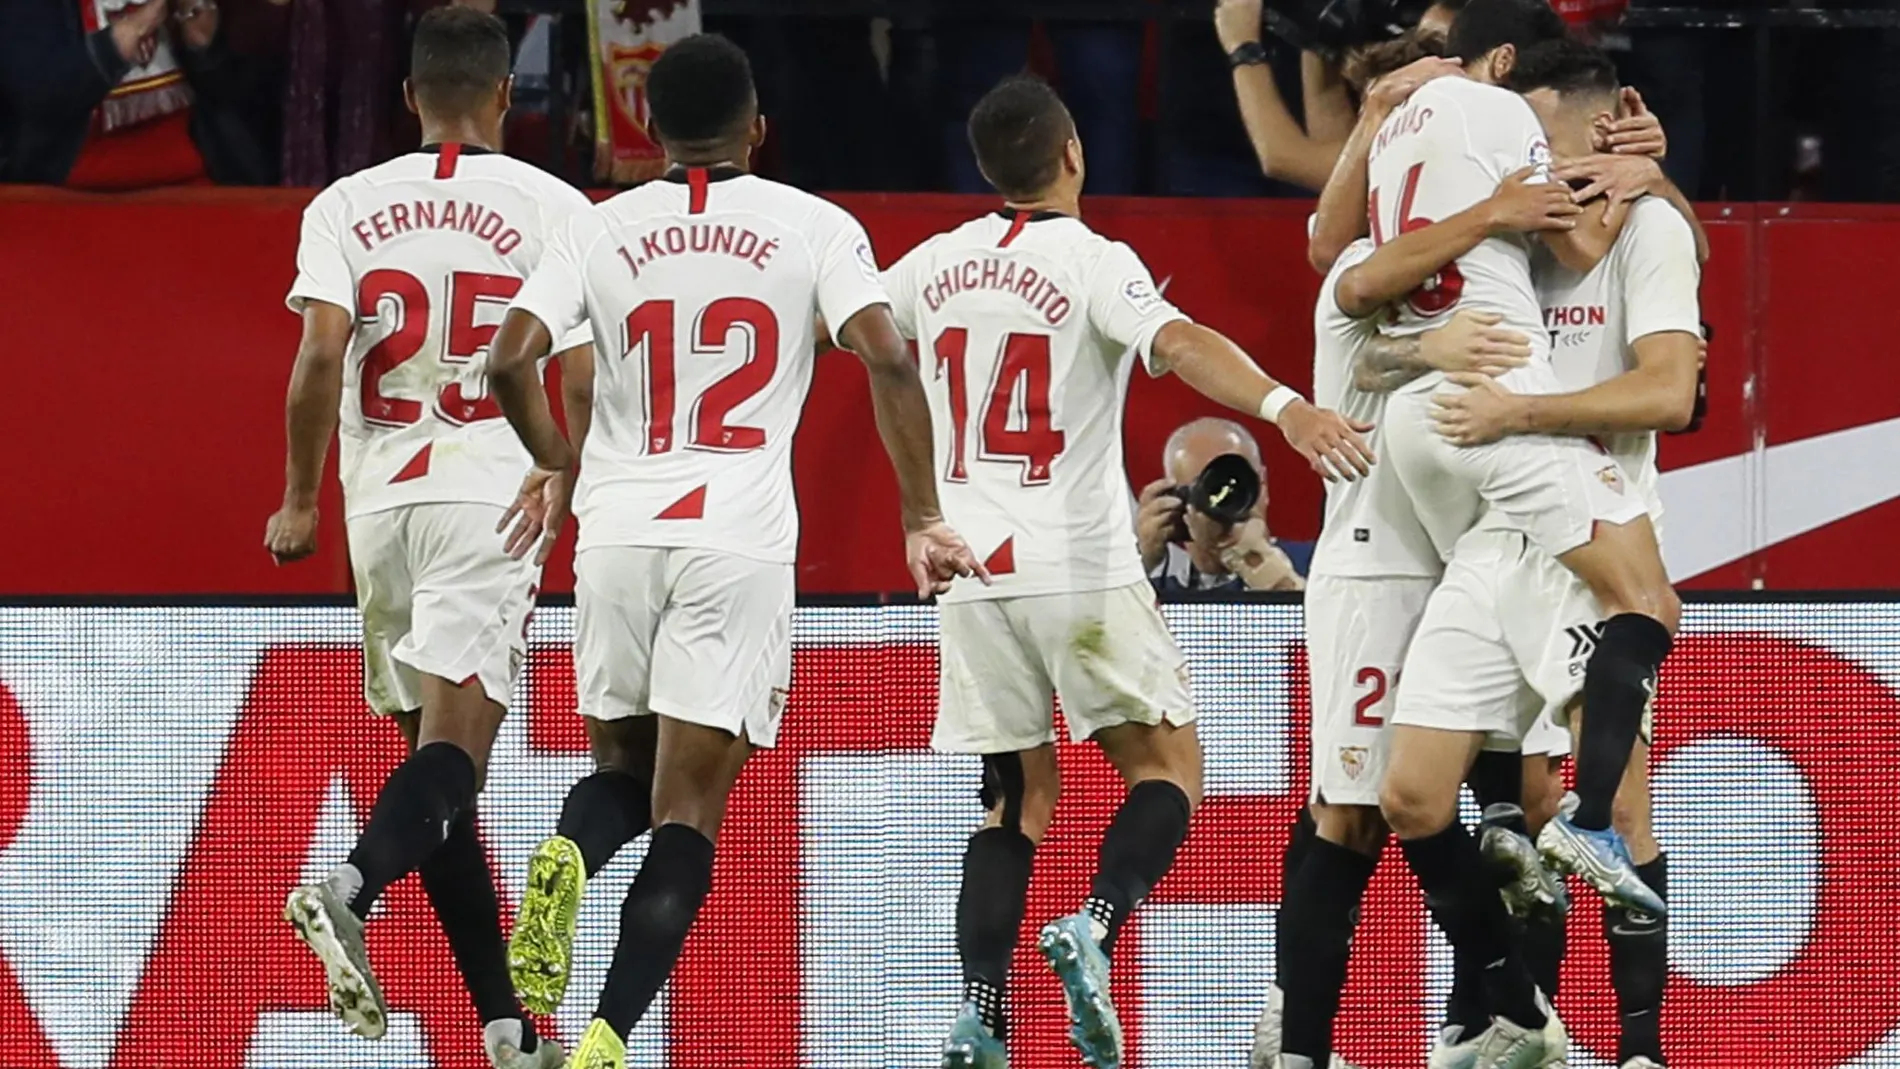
point(1637, 133)
point(538, 514)
point(1156, 512)
point(1519, 205)
point(1249, 552)
point(135, 31)
point(1386, 94)
point(197, 22)
point(1620, 178)
point(1236, 22)
point(937, 555)
point(1483, 413)
point(291, 534)
point(1473, 341)
point(1330, 442)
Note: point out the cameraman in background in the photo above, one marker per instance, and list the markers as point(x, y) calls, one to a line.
point(1197, 528)
point(1303, 153)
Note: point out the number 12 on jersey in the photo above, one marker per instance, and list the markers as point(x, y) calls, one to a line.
point(1017, 426)
point(650, 330)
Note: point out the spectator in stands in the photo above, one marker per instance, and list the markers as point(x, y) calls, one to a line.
point(1300, 151)
point(1243, 557)
point(111, 94)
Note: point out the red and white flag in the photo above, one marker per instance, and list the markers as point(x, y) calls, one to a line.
point(627, 36)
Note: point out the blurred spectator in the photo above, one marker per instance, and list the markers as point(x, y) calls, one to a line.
point(1213, 557)
point(343, 90)
point(1097, 70)
point(111, 95)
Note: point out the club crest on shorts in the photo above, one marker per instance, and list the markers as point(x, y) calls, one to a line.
point(780, 695)
point(1612, 477)
point(1353, 760)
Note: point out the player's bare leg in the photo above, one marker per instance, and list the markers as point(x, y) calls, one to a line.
point(1420, 802)
point(1161, 763)
point(1320, 909)
point(1020, 791)
point(1639, 942)
point(695, 768)
point(1623, 567)
point(602, 813)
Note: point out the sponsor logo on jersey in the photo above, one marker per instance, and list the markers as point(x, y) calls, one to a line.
point(867, 261)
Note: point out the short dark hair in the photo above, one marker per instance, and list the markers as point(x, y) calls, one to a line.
point(1486, 25)
point(700, 90)
point(1366, 65)
point(459, 56)
point(1568, 66)
point(1018, 131)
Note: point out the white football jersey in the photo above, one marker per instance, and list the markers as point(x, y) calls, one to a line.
point(703, 290)
point(426, 251)
point(1646, 285)
point(1371, 529)
point(1444, 151)
point(1025, 328)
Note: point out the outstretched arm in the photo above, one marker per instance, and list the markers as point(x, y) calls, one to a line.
point(310, 419)
point(1221, 371)
point(1471, 341)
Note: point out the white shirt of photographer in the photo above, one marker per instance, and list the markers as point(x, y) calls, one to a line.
point(1447, 149)
point(425, 252)
point(702, 295)
point(1027, 327)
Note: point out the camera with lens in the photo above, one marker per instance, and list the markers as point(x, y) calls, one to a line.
point(1225, 491)
point(1330, 27)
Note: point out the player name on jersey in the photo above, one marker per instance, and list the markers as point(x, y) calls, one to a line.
point(717, 240)
point(467, 216)
point(991, 273)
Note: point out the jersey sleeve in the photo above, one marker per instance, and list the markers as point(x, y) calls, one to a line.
point(1504, 136)
point(555, 293)
point(903, 285)
point(323, 273)
point(1126, 307)
point(1660, 274)
point(561, 207)
point(848, 280)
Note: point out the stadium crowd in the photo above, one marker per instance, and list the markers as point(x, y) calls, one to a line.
point(111, 95)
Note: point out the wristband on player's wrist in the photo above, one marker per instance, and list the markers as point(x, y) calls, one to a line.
point(1276, 401)
point(1247, 54)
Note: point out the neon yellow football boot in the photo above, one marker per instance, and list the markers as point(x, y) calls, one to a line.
point(540, 953)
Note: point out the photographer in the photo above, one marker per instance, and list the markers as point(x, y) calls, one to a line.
point(1290, 150)
point(1182, 547)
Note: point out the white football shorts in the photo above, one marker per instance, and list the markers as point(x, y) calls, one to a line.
point(694, 635)
point(1106, 654)
point(1357, 632)
point(438, 597)
point(1556, 490)
point(1504, 640)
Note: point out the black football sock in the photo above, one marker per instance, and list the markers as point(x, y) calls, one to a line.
point(1618, 684)
point(413, 812)
point(605, 812)
point(1639, 968)
point(660, 909)
point(1498, 777)
point(1544, 941)
point(1464, 901)
point(1298, 843)
point(1321, 907)
point(462, 891)
point(990, 904)
point(1137, 851)
point(1465, 1008)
